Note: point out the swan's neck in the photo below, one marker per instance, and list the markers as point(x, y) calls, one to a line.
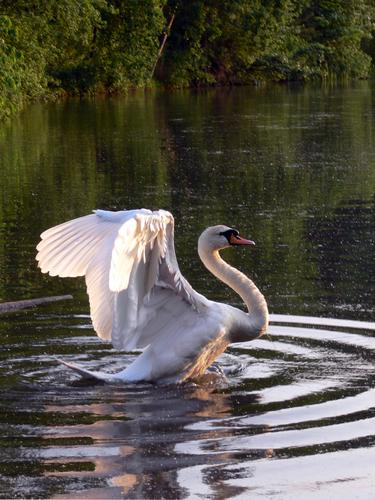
point(257, 319)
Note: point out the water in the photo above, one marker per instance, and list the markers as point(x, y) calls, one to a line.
point(293, 169)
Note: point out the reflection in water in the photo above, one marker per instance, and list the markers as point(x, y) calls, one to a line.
point(79, 439)
point(131, 438)
point(293, 168)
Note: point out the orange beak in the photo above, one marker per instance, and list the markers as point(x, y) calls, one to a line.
point(238, 240)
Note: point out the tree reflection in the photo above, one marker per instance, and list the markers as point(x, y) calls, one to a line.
point(265, 160)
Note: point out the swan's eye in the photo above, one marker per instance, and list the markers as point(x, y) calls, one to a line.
point(230, 233)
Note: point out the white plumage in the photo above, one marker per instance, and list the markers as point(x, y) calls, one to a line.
point(139, 298)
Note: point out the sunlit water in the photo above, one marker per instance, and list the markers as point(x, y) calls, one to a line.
point(290, 415)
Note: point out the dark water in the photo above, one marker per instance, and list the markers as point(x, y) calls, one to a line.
point(292, 168)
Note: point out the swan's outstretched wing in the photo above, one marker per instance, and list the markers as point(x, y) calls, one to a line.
point(133, 280)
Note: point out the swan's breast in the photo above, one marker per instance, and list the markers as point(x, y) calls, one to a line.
point(207, 355)
point(188, 346)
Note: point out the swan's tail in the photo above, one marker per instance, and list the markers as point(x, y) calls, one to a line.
point(104, 377)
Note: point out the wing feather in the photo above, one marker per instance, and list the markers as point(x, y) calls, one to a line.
point(100, 297)
point(133, 280)
point(68, 250)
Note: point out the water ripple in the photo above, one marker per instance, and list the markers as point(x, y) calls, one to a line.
point(301, 396)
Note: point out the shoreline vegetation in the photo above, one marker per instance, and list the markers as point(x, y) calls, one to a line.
point(55, 48)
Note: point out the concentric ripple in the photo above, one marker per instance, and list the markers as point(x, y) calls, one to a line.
point(293, 416)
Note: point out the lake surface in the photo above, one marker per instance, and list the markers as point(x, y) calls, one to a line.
point(292, 168)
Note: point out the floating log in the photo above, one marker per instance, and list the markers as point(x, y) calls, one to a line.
point(23, 304)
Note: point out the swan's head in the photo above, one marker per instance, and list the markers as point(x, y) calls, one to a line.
point(219, 237)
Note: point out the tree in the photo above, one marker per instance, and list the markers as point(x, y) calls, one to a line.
point(49, 47)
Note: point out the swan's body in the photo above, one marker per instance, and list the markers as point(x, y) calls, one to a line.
point(140, 300)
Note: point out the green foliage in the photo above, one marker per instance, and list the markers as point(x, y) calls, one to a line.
point(41, 41)
point(127, 45)
point(22, 66)
point(236, 41)
point(50, 47)
point(9, 79)
point(332, 32)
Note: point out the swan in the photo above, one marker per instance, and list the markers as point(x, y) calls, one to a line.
point(139, 298)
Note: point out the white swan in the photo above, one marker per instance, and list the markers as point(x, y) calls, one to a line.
point(139, 299)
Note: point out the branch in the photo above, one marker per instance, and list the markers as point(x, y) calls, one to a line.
point(166, 35)
point(22, 304)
